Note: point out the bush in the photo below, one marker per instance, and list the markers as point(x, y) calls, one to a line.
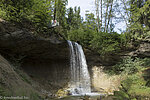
point(36, 11)
point(128, 66)
point(146, 62)
point(101, 42)
point(106, 43)
point(131, 65)
point(15, 10)
point(134, 85)
point(82, 36)
point(120, 95)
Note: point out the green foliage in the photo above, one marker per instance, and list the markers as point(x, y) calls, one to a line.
point(15, 10)
point(86, 33)
point(74, 18)
point(146, 62)
point(90, 22)
point(82, 36)
point(23, 11)
point(131, 65)
point(41, 15)
point(139, 18)
point(134, 86)
point(147, 35)
point(61, 12)
point(120, 95)
point(128, 66)
point(106, 43)
point(2, 13)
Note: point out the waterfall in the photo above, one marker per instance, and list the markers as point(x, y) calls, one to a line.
point(80, 79)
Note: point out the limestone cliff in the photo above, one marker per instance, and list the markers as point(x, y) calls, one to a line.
point(39, 63)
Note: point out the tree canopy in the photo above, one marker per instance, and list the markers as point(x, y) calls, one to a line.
point(94, 32)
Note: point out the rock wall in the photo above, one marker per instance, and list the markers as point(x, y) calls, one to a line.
point(44, 60)
point(12, 83)
point(51, 74)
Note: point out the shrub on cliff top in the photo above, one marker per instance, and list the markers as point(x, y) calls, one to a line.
point(36, 11)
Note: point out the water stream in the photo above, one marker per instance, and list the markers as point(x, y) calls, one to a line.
point(80, 78)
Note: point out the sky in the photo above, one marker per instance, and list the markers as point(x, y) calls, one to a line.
point(90, 5)
point(84, 5)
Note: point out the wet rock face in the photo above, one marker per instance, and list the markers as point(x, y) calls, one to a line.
point(22, 42)
point(11, 82)
point(50, 74)
point(46, 60)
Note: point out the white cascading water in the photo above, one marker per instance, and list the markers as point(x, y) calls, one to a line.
point(80, 78)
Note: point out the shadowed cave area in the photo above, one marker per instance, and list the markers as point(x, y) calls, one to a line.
point(51, 73)
point(45, 60)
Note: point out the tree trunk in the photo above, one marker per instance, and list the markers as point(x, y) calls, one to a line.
point(97, 14)
point(55, 10)
point(106, 14)
point(109, 16)
point(101, 24)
